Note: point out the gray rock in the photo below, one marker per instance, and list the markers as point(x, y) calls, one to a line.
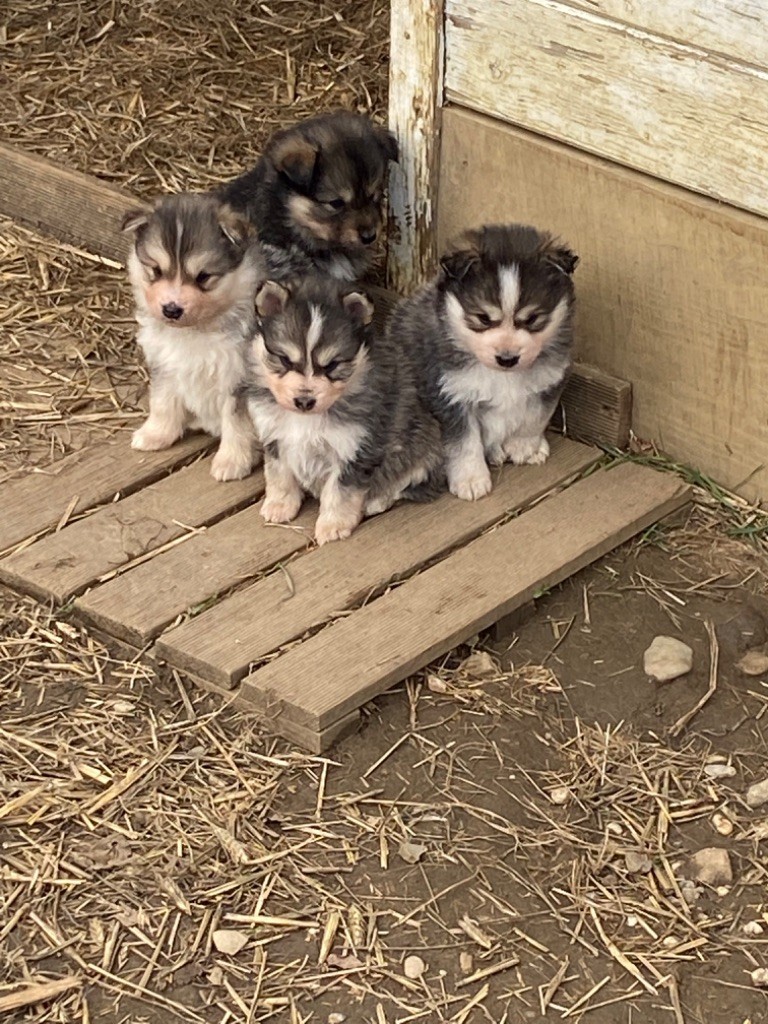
point(757, 794)
point(753, 663)
point(712, 866)
point(667, 658)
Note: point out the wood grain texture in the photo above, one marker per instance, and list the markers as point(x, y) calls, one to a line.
point(64, 564)
point(672, 290)
point(137, 605)
point(54, 200)
point(595, 408)
point(415, 95)
point(734, 28)
point(222, 643)
point(644, 100)
point(35, 503)
point(360, 656)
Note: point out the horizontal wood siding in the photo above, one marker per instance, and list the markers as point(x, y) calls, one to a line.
point(606, 78)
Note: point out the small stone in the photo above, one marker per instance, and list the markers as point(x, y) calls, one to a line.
point(753, 663)
point(631, 921)
point(216, 975)
point(689, 891)
point(614, 828)
point(436, 684)
point(411, 853)
point(560, 795)
point(466, 962)
point(670, 941)
point(637, 863)
point(752, 929)
point(723, 890)
point(712, 866)
point(228, 941)
point(757, 794)
point(336, 1018)
point(719, 771)
point(760, 977)
point(721, 824)
point(667, 658)
point(479, 665)
point(414, 967)
point(122, 707)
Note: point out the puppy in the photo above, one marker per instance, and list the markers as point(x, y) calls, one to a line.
point(316, 195)
point(492, 336)
point(195, 266)
point(337, 409)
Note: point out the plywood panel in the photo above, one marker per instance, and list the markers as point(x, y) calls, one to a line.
point(221, 644)
point(672, 290)
point(63, 564)
point(39, 501)
point(680, 113)
point(321, 680)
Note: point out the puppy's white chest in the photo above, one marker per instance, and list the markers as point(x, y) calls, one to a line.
point(313, 447)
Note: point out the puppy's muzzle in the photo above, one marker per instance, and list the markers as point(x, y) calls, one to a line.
point(506, 360)
point(305, 403)
point(172, 311)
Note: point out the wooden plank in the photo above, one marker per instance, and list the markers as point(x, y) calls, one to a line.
point(55, 200)
point(735, 28)
point(63, 564)
point(222, 643)
point(672, 290)
point(415, 97)
point(137, 605)
point(319, 681)
point(644, 100)
point(596, 407)
point(36, 503)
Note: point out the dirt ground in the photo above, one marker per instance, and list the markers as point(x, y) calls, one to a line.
point(519, 817)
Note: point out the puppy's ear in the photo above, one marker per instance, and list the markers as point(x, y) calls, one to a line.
point(236, 227)
point(460, 258)
point(562, 258)
point(271, 298)
point(295, 157)
point(133, 220)
point(388, 143)
point(359, 307)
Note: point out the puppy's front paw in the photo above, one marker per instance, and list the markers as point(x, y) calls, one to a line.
point(231, 465)
point(470, 482)
point(280, 508)
point(153, 439)
point(531, 451)
point(328, 528)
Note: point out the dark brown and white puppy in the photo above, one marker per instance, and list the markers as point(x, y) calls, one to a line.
point(195, 266)
point(315, 195)
point(337, 409)
point(492, 335)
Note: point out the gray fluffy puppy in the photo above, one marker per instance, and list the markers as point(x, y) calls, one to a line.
point(337, 409)
point(492, 336)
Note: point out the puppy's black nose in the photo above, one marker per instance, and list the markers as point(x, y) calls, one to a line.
point(507, 361)
point(171, 311)
point(367, 236)
point(305, 402)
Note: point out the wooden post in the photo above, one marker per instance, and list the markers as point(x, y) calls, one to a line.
point(415, 96)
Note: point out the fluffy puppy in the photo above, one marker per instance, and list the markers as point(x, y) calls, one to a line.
point(316, 195)
point(337, 409)
point(195, 266)
point(492, 336)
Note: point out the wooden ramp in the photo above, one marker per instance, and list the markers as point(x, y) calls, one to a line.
point(156, 554)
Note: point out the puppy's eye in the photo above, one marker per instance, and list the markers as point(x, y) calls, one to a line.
point(336, 204)
point(285, 362)
point(486, 321)
point(331, 367)
point(534, 321)
point(202, 278)
point(155, 273)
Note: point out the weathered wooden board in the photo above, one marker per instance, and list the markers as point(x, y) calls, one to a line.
point(321, 680)
point(36, 503)
point(57, 201)
point(672, 291)
point(645, 100)
point(415, 96)
point(65, 563)
point(222, 643)
point(734, 28)
point(137, 605)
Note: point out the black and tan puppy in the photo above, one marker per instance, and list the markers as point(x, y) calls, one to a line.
point(336, 408)
point(315, 195)
point(493, 336)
